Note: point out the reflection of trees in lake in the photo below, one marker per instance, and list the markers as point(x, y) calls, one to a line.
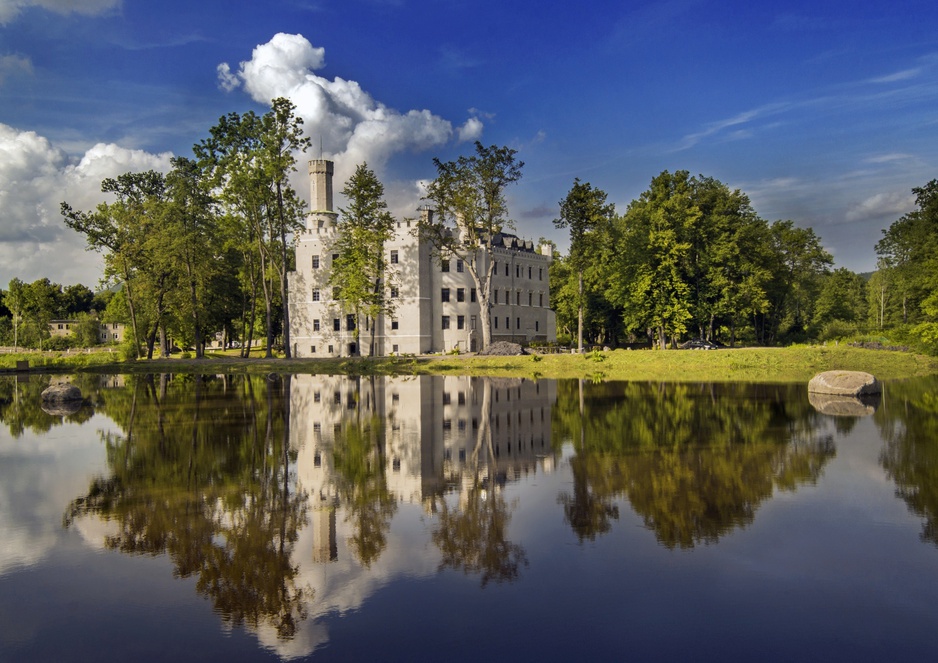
point(472, 535)
point(20, 403)
point(908, 421)
point(201, 474)
point(361, 482)
point(694, 461)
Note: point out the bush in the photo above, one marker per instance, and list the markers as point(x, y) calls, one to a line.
point(836, 330)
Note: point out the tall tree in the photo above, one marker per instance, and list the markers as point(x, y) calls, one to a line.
point(651, 248)
point(469, 197)
point(122, 230)
point(361, 271)
point(583, 211)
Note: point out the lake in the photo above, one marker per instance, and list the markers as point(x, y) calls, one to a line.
point(329, 518)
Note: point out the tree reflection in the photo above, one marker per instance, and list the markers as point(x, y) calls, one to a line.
point(362, 485)
point(20, 403)
point(908, 421)
point(694, 461)
point(201, 475)
point(472, 535)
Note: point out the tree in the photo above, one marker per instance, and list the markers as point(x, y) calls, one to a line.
point(15, 300)
point(469, 197)
point(651, 248)
point(583, 211)
point(248, 160)
point(361, 270)
point(126, 231)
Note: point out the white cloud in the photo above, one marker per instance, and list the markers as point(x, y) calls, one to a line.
point(9, 9)
point(903, 75)
point(35, 177)
point(471, 130)
point(890, 205)
point(351, 125)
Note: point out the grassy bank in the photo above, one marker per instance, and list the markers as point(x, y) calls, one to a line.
point(794, 364)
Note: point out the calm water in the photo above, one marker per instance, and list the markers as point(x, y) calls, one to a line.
point(450, 519)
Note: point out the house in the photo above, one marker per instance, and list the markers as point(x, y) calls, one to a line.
point(435, 302)
point(108, 332)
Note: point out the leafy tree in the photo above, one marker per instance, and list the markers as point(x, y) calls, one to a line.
point(469, 197)
point(583, 211)
point(799, 265)
point(361, 270)
point(15, 301)
point(651, 247)
point(127, 231)
point(842, 299)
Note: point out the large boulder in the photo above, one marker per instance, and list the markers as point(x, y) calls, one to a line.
point(502, 349)
point(844, 383)
point(62, 392)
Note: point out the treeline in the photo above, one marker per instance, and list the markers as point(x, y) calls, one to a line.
point(207, 246)
point(690, 258)
point(26, 309)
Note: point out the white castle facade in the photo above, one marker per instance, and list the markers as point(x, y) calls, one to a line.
point(435, 302)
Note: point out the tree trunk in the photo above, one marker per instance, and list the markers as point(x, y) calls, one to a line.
point(579, 332)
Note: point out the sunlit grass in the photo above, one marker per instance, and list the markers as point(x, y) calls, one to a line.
point(793, 364)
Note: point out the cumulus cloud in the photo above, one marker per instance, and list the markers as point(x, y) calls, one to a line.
point(9, 9)
point(35, 177)
point(883, 205)
point(352, 126)
point(471, 130)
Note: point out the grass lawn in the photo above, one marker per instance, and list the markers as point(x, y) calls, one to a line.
point(792, 364)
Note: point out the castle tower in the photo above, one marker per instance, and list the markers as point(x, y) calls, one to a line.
point(321, 215)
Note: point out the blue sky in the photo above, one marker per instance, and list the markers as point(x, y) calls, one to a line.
point(822, 112)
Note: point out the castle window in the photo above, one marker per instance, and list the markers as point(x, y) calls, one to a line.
point(540, 273)
point(537, 325)
point(529, 271)
point(518, 298)
point(459, 266)
point(496, 323)
point(530, 299)
point(393, 257)
point(395, 324)
point(316, 295)
point(394, 350)
point(312, 349)
point(472, 295)
point(507, 323)
point(460, 294)
point(394, 292)
point(445, 322)
point(495, 295)
point(316, 261)
point(517, 271)
point(350, 322)
point(335, 256)
point(445, 265)
point(472, 322)
point(540, 299)
point(336, 326)
point(444, 295)
point(518, 323)
point(460, 322)
point(316, 324)
point(337, 293)
point(330, 349)
point(506, 269)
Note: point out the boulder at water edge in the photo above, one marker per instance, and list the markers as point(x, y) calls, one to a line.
point(844, 383)
point(62, 392)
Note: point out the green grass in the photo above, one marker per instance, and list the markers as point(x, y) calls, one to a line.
point(793, 364)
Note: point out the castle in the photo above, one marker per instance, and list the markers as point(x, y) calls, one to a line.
point(435, 303)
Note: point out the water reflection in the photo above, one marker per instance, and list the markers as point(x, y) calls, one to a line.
point(290, 502)
point(694, 461)
point(909, 426)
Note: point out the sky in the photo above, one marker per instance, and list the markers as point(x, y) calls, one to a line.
point(825, 113)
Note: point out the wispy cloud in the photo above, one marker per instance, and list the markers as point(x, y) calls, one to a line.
point(10, 9)
point(903, 75)
point(12, 65)
point(889, 158)
point(889, 205)
point(736, 122)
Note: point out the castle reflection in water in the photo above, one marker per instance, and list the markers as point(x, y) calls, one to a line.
point(425, 438)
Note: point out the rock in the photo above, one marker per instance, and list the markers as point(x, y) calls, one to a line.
point(62, 392)
point(62, 409)
point(502, 349)
point(844, 406)
point(844, 383)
